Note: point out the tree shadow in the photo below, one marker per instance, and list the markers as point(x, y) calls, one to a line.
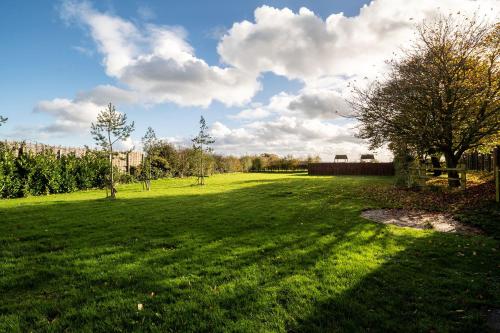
point(437, 284)
point(284, 255)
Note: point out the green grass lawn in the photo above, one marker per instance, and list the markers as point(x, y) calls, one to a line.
point(245, 253)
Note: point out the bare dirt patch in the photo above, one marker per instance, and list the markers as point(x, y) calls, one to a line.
point(419, 219)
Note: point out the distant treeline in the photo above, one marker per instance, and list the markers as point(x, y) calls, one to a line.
point(24, 173)
point(166, 160)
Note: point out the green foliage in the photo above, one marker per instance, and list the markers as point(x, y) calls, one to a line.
point(272, 162)
point(68, 181)
point(149, 141)
point(45, 174)
point(126, 178)
point(169, 161)
point(92, 170)
point(201, 145)
point(163, 159)
point(441, 96)
point(23, 173)
point(110, 128)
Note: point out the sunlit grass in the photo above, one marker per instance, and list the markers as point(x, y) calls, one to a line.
point(246, 252)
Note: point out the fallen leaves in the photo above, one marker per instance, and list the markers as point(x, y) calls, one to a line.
point(445, 200)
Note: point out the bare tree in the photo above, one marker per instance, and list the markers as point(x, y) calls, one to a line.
point(3, 120)
point(442, 96)
point(111, 127)
point(201, 145)
point(149, 141)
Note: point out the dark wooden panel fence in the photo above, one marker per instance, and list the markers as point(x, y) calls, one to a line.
point(478, 162)
point(351, 169)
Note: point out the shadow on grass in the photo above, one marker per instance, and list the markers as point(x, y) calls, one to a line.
point(289, 255)
point(437, 284)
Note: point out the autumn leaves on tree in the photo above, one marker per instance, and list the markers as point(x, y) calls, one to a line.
point(441, 97)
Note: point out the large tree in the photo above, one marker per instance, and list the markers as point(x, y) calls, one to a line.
point(110, 128)
point(201, 145)
point(441, 96)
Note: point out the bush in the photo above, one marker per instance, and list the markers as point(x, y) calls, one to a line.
point(23, 173)
point(125, 178)
point(402, 163)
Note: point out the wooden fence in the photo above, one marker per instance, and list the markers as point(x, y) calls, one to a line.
point(485, 162)
point(418, 176)
point(351, 169)
point(478, 162)
point(124, 161)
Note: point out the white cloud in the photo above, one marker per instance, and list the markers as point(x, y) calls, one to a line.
point(128, 144)
point(104, 94)
point(251, 114)
point(325, 55)
point(118, 40)
point(156, 64)
point(157, 61)
point(324, 104)
point(321, 104)
point(75, 115)
point(304, 46)
point(70, 116)
point(290, 135)
point(216, 32)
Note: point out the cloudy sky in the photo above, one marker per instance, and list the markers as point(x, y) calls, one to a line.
point(269, 76)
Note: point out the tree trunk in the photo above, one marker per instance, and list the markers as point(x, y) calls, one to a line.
point(436, 164)
point(149, 174)
point(201, 175)
point(112, 180)
point(452, 162)
point(202, 172)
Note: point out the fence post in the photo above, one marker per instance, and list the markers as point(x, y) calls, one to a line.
point(127, 165)
point(496, 162)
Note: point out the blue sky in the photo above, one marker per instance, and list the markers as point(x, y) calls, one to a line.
point(50, 52)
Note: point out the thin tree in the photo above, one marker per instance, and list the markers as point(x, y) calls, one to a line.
point(111, 127)
point(149, 142)
point(3, 120)
point(201, 144)
point(442, 96)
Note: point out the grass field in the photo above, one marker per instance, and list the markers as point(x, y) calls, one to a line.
point(245, 253)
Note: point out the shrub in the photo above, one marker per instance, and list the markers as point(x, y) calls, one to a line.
point(24, 173)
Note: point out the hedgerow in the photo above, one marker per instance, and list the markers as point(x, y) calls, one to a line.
point(25, 173)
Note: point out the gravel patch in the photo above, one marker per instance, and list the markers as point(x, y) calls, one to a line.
point(419, 219)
